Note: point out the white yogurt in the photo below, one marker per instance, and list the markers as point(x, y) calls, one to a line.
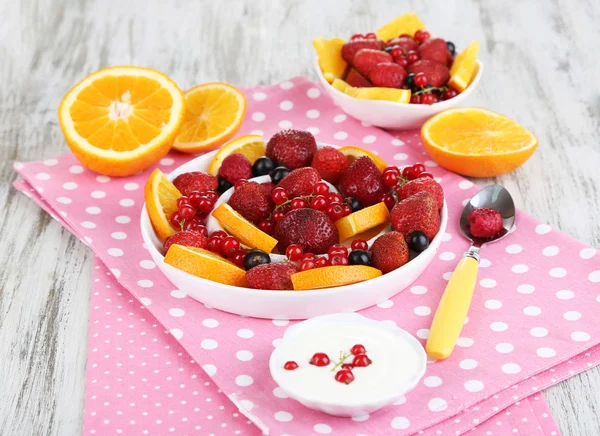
point(398, 363)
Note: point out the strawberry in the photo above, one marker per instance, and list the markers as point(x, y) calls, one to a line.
point(417, 212)
point(251, 201)
point(312, 229)
point(366, 60)
point(268, 186)
point(389, 252)
point(362, 180)
point(388, 75)
point(406, 42)
point(437, 73)
point(352, 47)
point(195, 181)
point(292, 148)
point(234, 167)
point(354, 78)
point(272, 276)
point(187, 238)
point(423, 184)
point(330, 163)
point(435, 50)
point(301, 181)
point(484, 222)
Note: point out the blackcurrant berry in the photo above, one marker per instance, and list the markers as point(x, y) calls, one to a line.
point(410, 81)
point(354, 203)
point(451, 47)
point(255, 258)
point(224, 185)
point(417, 241)
point(278, 173)
point(359, 257)
point(262, 166)
point(388, 49)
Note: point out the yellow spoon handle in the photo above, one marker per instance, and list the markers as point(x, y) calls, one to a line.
point(452, 310)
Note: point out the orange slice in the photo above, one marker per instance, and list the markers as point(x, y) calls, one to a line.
point(214, 114)
point(340, 85)
point(408, 23)
point(477, 142)
point(248, 234)
point(362, 220)
point(251, 146)
point(205, 264)
point(161, 201)
point(121, 120)
point(330, 276)
point(353, 153)
point(464, 67)
point(386, 94)
point(329, 54)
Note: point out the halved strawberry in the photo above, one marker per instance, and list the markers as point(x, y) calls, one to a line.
point(352, 47)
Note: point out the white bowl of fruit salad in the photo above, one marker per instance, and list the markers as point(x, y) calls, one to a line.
point(397, 77)
point(292, 230)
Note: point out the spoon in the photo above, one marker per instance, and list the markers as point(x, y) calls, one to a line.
point(454, 305)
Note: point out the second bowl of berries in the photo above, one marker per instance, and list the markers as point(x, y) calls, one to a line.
point(292, 228)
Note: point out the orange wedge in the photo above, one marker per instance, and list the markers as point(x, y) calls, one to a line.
point(340, 85)
point(214, 114)
point(329, 54)
point(248, 234)
point(362, 220)
point(161, 201)
point(386, 94)
point(121, 120)
point(330, 276)
point(205, 264)
point(251, 146)
point(353, 153)
point(477, 142)
point(408, 23)
point(464, 68)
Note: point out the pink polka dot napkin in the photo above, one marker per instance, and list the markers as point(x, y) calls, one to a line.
point(531, 323)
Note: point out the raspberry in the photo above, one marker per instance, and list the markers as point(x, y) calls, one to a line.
point(485, 222)
point(187, 183)
point(236, 166)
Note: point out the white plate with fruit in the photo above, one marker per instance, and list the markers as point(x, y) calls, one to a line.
point(292, 230)
point(398, 76)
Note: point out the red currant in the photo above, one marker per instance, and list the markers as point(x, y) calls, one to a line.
point(195, 226)
point(338, 259)
point(309, 256)
point(267, 226)
point(371, 36)
point(294, 252)
point(359, 244)
point(298, 203)
point(412, 57)
point(403, 62)
point(436, 98)
point(357, 36)
point(321, 262)
point(347, 209)
point(239, 257)
point(427, 98)
point(421, 80)
point(186, 211)
point(392, 169)
point(205, 205)
point(408, 173)
point(277, 216)
point(230, 245)
point(182, 200)
point(390, 179)
point(418, 168)
point(344, 376)
point(334, 198)
point(425, 174)
point(361, 360)
point(421, 36)
point(305, 265)
point(279, 196)
point(211, 195)
point(195, 197)
point(335, 211)
point(337, 249)
point(415, 99)
point(214, 244)
point(239, 183)
point(218, 234)
point(321, 188)
point(290, 366)
point(319, 202)
point(358, 349)
point(449, 93)
point(347, 366)
point(320, 359)
point(397, 52)
point(389, 200)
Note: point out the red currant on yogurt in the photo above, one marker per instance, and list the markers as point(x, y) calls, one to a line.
point(358, 349)
point(361, 360)
point(290, 366)
point(344, 376)
point(320, 359)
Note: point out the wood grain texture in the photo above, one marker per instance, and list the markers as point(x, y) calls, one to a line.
point(540, 68)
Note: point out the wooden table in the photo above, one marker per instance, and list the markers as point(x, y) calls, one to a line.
point(541, 61)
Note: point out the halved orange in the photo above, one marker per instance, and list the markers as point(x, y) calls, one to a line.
point(121, 120)
point(362, 220)
point(248, 234)
point(464, 67)
point(329, 55)
point(477, 142)
point(330, 276)
point(214, 114)
point(353, 153)
point(251, 146)
point(161, 201)
point(408, 23)
point(205, 264)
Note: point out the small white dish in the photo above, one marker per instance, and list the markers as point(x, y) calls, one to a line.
point(391, 115)
point(285, 304)
point(398, 364)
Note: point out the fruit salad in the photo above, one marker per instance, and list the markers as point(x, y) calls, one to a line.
point(401, 62)
point(292, 215)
